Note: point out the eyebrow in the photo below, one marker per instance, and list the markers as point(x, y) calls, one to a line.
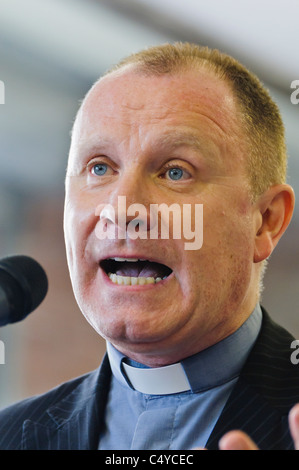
point(170, 140)
point(177, 139)
point(96, 146)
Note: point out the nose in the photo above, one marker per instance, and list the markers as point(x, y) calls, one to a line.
point(128, 207)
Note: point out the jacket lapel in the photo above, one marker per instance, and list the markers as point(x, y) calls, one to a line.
point(268, 387)
point(248, 411)
point(75, 421)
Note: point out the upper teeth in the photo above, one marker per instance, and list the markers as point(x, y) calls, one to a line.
point(128, 259)
point(131, 281)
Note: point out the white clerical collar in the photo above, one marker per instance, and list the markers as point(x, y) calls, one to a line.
point(159, 380)
point(207, 369)
point(151, 381)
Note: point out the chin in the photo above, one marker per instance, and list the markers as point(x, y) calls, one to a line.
point(138, 332)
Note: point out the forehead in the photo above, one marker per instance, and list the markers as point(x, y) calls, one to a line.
point(129, 97)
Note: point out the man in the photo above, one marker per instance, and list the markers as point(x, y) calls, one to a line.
point(193, 355)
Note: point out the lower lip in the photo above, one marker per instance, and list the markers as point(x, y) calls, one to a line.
point(136, 288)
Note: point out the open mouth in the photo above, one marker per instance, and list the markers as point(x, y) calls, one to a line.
point(133, 271)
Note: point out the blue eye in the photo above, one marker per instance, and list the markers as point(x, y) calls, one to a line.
point(175, 173)
point(99, 169)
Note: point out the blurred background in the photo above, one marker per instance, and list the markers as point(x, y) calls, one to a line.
point(51, 51)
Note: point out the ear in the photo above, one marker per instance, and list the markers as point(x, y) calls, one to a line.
point(274, 210)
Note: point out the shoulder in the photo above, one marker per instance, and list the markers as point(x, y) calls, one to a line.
point(48, 398)
point(270, 368)
point(274, 343)
point(36, 408)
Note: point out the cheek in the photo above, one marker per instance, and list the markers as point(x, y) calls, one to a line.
point(79, 224)
point(232, 242)
point(233, 260)
point(224, 261)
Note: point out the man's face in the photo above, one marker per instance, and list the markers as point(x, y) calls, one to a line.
point(173, 140)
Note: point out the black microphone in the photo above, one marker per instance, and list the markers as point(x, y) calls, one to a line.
point(23, 286)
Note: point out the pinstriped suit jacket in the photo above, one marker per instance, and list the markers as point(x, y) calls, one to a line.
point(71, 416)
